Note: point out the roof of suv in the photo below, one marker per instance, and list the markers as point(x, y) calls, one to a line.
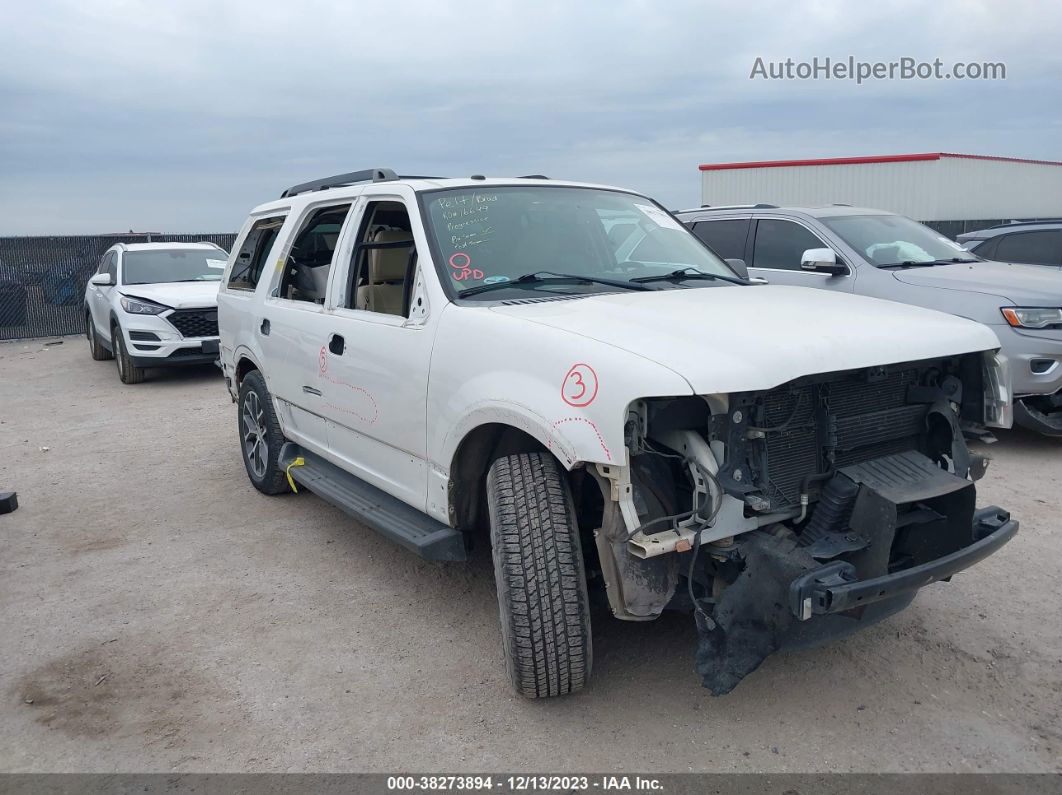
point(1014, 226)
point(825, 211)
point(164, 246)
point(306, 193)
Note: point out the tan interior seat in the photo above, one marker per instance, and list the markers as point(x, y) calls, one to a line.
point(384, 290)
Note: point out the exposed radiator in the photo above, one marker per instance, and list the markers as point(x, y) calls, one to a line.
point(851, 417)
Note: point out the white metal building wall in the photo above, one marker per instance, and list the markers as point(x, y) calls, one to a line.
point(948, 188)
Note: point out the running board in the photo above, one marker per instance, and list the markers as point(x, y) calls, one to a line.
point(387, 515)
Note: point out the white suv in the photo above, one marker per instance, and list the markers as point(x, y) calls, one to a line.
point(154, 305)
point(463, 361)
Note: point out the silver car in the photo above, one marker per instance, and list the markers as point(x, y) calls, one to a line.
point(884, 255)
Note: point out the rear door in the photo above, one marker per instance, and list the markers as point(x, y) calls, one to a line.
point(294, 320)
point(777, 245)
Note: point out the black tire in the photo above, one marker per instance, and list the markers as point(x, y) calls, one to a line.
point(128, 372)
point(538, 565)
point(99, 353)
point(264, 470)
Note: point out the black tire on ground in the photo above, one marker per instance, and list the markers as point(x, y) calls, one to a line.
point(538, 565)
point(260, 436)
point(99, 353)
point(128, 372)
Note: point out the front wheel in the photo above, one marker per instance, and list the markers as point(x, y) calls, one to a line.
point(538, 565)
point(128, 372)
point(99, 353)
point(260, 436)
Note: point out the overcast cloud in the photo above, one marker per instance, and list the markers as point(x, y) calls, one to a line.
point(179, 117)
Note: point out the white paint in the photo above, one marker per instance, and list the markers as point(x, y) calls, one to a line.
point(451, 368)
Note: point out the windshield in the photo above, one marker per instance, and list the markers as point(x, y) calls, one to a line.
point(894, 239)
point(487, 236)
point(173, 265)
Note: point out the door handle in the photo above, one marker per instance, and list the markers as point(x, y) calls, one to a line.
point(309, 390)
point(336, 344)
point(265, 326)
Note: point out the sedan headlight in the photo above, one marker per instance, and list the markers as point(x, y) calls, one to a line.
point(1032, 316)
point(138, 306)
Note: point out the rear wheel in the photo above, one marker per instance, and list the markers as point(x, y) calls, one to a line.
point(260, 436)
point(99, 353)
point(538, 565)
point(127, 371)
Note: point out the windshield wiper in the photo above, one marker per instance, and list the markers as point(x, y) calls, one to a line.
point(683, 274)
point(552, 278)
point(927, 263)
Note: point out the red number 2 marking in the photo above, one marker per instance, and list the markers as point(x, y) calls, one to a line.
point(579, 387)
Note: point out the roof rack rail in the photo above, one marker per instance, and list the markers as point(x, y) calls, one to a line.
point(342, 180)
point(1027, 223)
point(760, 206)
point(533, 176)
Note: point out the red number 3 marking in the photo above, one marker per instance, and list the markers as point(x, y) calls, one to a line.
point(579, 387)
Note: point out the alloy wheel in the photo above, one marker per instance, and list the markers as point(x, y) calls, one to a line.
point(255, 448)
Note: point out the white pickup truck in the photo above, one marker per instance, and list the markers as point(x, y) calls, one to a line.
point(463, 361)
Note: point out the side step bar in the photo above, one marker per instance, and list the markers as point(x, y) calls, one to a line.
point(387, 515)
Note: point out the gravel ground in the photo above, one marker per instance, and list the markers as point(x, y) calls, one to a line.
point(159, 614)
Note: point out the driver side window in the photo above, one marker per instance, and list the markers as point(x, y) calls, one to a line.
point(780, 244)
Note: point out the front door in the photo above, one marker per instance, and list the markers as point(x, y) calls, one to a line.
point(100, 297)
point(776, 248)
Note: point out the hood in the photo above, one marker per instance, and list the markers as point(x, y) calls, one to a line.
point(179, 295)
point(736, 339)
point(1021, 285)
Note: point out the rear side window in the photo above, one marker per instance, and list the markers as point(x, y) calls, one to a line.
point(310, 261)
point(987, 249)
point(725, 238)
point(251, 258)
point(780, 244)
point(1042, 247)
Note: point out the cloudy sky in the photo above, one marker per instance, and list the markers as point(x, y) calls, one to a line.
point(180, 116)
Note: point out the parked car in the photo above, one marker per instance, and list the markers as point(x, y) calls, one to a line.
point(458, 361)
point(1029, 242)
point(880, 254)
point(13, 297)
point(154, 305)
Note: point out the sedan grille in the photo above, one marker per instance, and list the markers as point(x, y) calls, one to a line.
point(195, 322)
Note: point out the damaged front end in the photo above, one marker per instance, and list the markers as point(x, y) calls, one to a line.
point(794, 515)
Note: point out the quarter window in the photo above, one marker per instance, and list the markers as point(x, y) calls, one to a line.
point(780, 244)
point(252, 256)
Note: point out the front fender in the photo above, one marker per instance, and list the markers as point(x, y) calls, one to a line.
point(568, 391)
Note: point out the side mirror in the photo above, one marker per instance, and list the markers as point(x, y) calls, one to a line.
point(738, 266)
point(822, 260)
point(102, 280)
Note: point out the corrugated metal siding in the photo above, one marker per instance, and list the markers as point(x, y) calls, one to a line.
point(948, 189)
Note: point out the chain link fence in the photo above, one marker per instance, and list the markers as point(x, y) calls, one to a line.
point(42, 279)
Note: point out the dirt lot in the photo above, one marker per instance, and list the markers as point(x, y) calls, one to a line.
point(157, 613)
